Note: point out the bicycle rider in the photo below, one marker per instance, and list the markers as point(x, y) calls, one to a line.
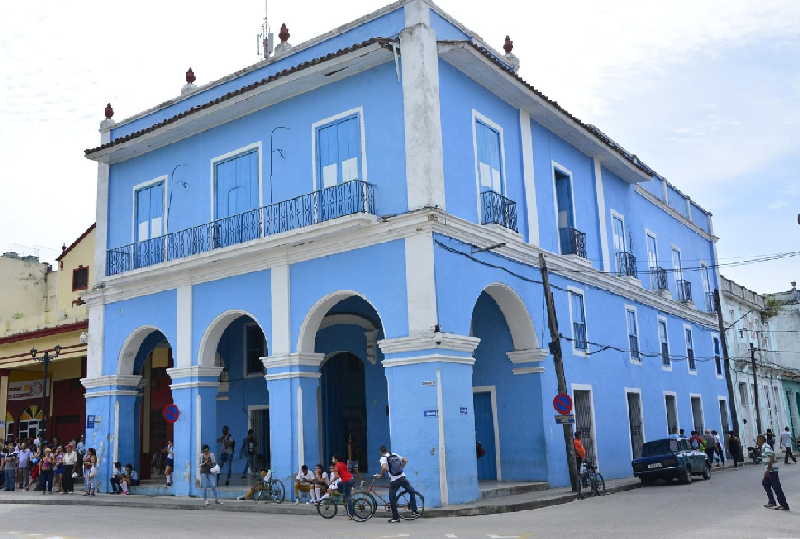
point(394, 465)
point(345, 482)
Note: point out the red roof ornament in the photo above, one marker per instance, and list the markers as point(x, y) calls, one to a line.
point(109, 111)
point(508, 46)
point(284, 34)
point(190, 78)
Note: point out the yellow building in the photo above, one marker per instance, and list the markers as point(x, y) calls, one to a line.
point(42, 310)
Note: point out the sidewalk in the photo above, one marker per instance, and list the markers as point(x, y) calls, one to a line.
point(530, 499)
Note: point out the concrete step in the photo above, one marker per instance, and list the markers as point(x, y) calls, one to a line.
point(497, 489)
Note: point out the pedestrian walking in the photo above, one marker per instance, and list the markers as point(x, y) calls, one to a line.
point(345, 483)
point(10, 468)
point(80, 449)
point(209, 471)
point(226, 443)
point(90, 471)
point(771, 481)
point(394, 465)
point(711, 446)
point(719, 456)
point(24, 466)
point(735, 449)
point(69, 461)
point(771, 438)
point(249, 446)
point(786, 444)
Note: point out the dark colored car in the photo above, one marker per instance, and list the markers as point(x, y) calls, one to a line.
point(670, 458)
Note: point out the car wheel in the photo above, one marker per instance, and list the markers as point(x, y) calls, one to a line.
point(707, 472)
point(686, 477)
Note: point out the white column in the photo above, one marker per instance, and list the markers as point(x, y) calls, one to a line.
point(101, 209)
point(423, 128)
point(528, 176)
point(94, 351)
point(420, 284)
point(601, 212)
point(281, 336)
point(184, 326)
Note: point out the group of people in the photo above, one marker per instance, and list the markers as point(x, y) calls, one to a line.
point(121, 478)
point(48, 467)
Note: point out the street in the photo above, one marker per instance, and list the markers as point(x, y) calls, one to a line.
point(729, 505)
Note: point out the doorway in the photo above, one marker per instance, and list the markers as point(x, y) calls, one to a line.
point(155, 430)
point(697, 414)
point(485, 433)
point(258, 420)
point(635, 422)
point(344, 409)
point(584, 421)
point(672, 413)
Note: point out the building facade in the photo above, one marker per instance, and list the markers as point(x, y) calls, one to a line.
point(42, 310)
point(358, 220)
point(751, 341)
point(784, 323)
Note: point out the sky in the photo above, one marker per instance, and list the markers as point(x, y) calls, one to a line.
point(707, 92)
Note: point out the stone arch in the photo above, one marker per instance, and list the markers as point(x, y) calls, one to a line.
point(520, 324)
point(313, 320)
point(127, 354)
point(210, 340)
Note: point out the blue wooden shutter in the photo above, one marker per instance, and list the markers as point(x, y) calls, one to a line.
point(327, 156)
point(489, 167)
point(157, 210)
point(564, 200)
point(349, 142)
point(225, 185)
point(142, 215)
point(237, 185)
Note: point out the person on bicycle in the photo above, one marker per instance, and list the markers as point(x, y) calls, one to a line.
point(345, 483)
point(394, 465)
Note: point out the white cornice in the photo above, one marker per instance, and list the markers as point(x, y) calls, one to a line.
point(527, 356)
point(111, 380)
point(433, 358)
point(448, 341)
point(195, 371)
point(113, 393)
point(358, 231)
point(650, 197)
point(196, 383)
point(288, 375)
point(293, 360)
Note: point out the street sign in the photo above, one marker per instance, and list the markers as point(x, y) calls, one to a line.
point(430, 413)
point(89, 421)
point(171, 412)
point(463, 410)
point(562, 404)
point(565, 419)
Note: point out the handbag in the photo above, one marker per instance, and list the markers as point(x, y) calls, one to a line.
point(214, 469)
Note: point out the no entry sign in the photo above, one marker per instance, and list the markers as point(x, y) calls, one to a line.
point(562, 403)
point(171, 412)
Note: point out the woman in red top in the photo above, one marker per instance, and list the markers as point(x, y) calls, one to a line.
point(345, 482)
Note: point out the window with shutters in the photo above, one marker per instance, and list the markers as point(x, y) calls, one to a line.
point(339, 146)
point(717, 359)
point(236, 183)
point(488, 147)
point(149, 211)
point(633, 334)
point(578, 315)
point(80, 278)
point(690, 351)
point(663, 341)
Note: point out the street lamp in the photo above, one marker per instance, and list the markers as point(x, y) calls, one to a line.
point(45, 359)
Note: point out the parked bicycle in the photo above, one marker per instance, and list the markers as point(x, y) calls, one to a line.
point(362, 506)
point(590, 480)
point(272, 490)
point(403, 500)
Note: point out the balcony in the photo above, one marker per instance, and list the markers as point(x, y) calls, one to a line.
point(684, 290)
point(305, 210)
point(498, 210)
point(626, 264)
point(573, 242)
point(658, 279)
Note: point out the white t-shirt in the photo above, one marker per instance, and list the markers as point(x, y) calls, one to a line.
point(766, 453)
point(385, 462)
point(786, 439)
point(308, 476)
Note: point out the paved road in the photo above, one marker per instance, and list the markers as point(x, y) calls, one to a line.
point(730, 505)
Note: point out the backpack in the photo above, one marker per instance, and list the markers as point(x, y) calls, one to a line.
point(395, 465)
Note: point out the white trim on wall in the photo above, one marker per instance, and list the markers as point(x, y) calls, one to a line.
point(139, 187)
point(555, 166)
point(300, 434)
point(600, 194)
point(359, 111)
point(492, 390)
point(233, 153)
point(478, 117)
point(444, 491)
point(529, 176)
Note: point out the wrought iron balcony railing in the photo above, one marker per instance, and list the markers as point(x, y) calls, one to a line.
point(573, 242)
point(337, 201)
point(499, 210)
point(626, 264)
point(658, 279)
point(684, 290)
point(579, 333)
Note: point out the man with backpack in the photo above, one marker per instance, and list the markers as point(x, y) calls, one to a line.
point(394, 465)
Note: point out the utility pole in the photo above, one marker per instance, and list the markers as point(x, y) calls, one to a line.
point(727, 361)
point(755, 387)
point(555, 349)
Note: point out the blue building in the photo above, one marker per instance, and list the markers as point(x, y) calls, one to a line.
point(358, 220)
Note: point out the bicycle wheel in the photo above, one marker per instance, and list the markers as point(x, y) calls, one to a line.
point(327, 508)
point(362, 506)
point(404, 505)
point(261, 496)
point(277, 492)
point(598, 484)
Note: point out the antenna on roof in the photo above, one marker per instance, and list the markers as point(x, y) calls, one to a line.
point(266, 39)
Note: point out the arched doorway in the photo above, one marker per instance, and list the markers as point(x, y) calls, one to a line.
point(151, 362)
point(353, 399)
point(507, 396)
point(235, 341)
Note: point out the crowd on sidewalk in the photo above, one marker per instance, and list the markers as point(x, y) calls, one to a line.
point(47, 466)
